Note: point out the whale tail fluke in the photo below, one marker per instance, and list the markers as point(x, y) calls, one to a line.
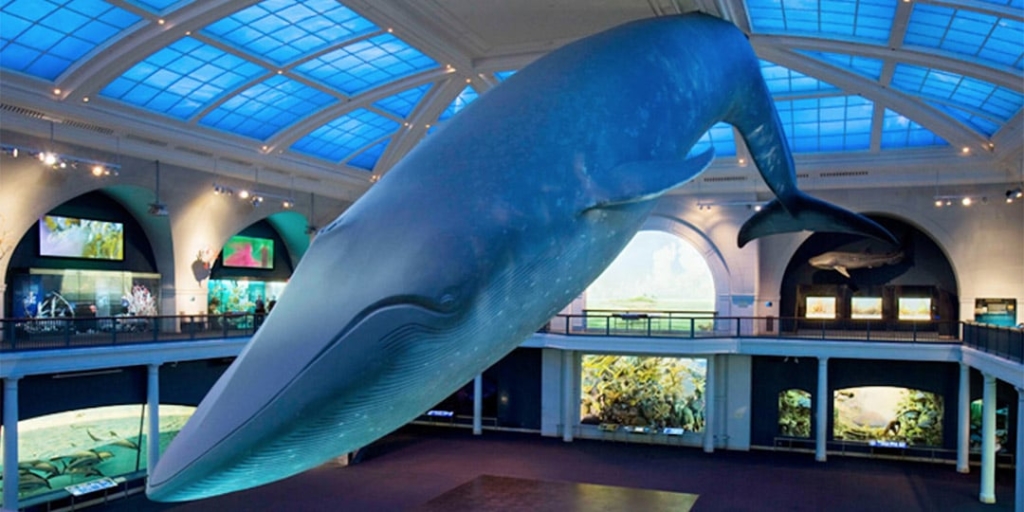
point(805, 213)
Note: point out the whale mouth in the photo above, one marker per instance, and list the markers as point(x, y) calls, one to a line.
point(404, 336)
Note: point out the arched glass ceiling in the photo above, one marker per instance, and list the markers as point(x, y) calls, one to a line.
point(317, 78)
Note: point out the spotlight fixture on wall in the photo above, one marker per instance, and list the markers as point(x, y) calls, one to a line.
point(1014, 193)
point(254, 197)
point(157, 208)
point(962, 199)
point(750, 205)
point(59, 161)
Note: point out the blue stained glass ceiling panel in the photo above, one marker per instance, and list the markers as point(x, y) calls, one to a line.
point(503, 75)
point(975, 35)
point(368, 159)
point(265, 108)
point(851, 19)
point(338, 139)
point(403, 103)
point(366, 64)
point(284, 30)
point(863, 66)
point(43, 38)
point(460, 102)
point(783, 81)
point(721, 137)
point(966, 93)
point(182, 78)
point(827, 124)
point(900, 132)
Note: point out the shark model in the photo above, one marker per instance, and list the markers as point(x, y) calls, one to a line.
point(476, 238)
point(843, 262)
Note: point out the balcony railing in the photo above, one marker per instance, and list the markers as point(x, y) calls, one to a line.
point(72, 332)
point(1005, 342)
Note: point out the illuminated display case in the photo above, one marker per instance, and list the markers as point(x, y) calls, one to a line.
point(821, 308)
point(866, 308)
point(56, 293)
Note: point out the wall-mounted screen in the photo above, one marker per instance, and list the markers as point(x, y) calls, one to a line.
point(892, 416)
point(656, 392)
point(1001, 312)
point(821, 307)
point(915, 308)
point(866, 308)
point(249, 252)
point(70, 237)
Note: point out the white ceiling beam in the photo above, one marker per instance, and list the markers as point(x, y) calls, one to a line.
point(736, 12)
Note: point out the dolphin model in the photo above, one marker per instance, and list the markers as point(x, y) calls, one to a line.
point(843, 262)
point(476, 238)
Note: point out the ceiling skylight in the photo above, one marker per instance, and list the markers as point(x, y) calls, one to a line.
point(265, 108)
point(900, 132)
point(351, 132)
point(368, 159)
point(973, 35)
point(43, 38)
point(281, 31)
point(182, 78)
point(784, 81)
point(403, 103)
point(366, 64)
point(864, 19)
point(841, 123)
point(965, 93)
point(863, 66)
point(460, 102)
point(721, 137)
point(160, 6)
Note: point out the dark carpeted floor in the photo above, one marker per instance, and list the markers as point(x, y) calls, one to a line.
point(417, 464)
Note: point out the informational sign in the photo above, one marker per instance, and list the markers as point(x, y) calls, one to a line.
point(91, 486)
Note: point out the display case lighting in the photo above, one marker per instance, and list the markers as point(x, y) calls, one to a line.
point(59, 161)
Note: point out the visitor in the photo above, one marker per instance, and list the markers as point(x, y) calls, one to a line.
point(259, 313)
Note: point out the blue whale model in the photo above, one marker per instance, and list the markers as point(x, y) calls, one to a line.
point(475, 239)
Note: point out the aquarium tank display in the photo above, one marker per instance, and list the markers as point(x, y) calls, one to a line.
point(239, 296)
point(249, 252)
point(70, 237)
point(795, 413)
point(889, 416)
point(636, 391)
point(1002, 423)
point(75, 447)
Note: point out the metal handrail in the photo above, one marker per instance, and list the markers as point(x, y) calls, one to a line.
point(17, 334)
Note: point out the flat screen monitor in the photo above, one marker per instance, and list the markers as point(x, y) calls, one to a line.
point(71, 237)
point(249, 252)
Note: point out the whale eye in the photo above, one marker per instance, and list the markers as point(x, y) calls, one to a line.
point(447, 299)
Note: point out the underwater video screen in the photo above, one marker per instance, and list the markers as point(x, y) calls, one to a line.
point(794, 413)
point(75, 447)
point(888, 416)
point(70, 237)
point(249, 252)
point(636, 391)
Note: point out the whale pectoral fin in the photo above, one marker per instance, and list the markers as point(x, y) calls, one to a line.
point(645, 180)
point(810, 214)
point(842, 270)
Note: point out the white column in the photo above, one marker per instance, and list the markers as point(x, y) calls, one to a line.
point(478, 404)
point(1018, 493)
point(570, 405)
point(10, 444)
point(988, 441)
point(821, 410)
point(963, 421)
point(709, 406)
point(153, 417)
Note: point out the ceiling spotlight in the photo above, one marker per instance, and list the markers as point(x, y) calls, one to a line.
point(97, 170)
point(966, 201)
point(256, 201)
point(244, 194)
point(1012, 194)
point(48, 158)
point(287, 204)
point(14, 152)
point(938, 203)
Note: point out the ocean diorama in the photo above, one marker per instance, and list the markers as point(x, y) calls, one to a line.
point(882, 413)
point(795, 413)
point(1002, 422)
point(656, 272)
point(73, 447)
point(656, 392)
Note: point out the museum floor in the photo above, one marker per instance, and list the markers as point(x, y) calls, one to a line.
point(431, 469)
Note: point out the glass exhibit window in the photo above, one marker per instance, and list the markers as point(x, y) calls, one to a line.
point(239, 296)
point(55, 293)
point(821, 307)
point(75, 447)
point(911, 308)
point(1002, 426)
point(866, 308)
point(654, 392)
point(888, 416)
point(795, 413)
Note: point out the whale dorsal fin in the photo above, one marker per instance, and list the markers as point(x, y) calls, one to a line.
point(633, 182)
